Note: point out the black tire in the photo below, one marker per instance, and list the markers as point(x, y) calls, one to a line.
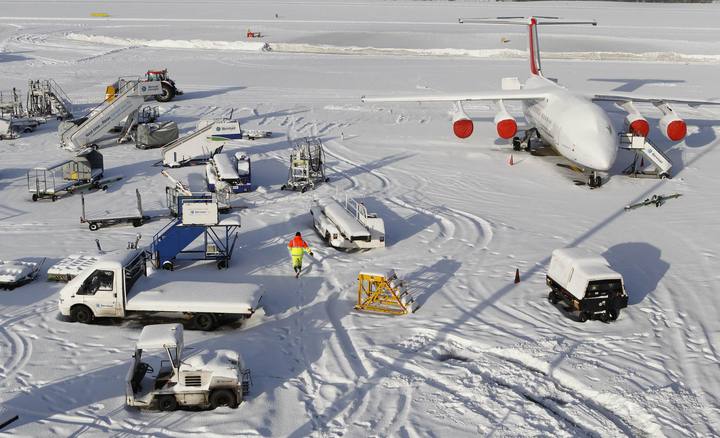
point(613, 314)
point(516, 143)
point(168, 93)
point(34, 197)
point(53, 198)
point(137, 222)
point(583, 316)
point(223, 397)
point(284, 187)
point(93, 226)
point(167, 403)
point(205, 321)
point(553, 297)
point(222, 264)
point(168, 266)
point(81, 314)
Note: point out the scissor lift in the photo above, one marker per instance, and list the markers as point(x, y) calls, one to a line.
point(383, 293)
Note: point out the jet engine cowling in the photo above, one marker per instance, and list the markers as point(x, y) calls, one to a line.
point(637, 124)
point(673, 127)
point(462, 124)
point(505, 125)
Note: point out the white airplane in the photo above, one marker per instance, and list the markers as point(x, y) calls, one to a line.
point(571, 123)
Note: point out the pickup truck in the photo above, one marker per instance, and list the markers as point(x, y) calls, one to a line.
point(118, 286)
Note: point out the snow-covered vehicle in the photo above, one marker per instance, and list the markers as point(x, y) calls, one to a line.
point(231, 170)
point(117, 286)
point(586, 283)
point(15, 273)
point(348, 225)
point(162, 378)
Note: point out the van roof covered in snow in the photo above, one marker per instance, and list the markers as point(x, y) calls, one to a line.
point(160, 336)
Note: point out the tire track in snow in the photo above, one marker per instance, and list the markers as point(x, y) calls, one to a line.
point(20, 347)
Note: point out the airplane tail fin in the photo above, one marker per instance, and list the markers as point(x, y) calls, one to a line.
point(532, 23)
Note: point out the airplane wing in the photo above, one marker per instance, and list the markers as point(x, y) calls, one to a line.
point(621, 98)
point(532, 94)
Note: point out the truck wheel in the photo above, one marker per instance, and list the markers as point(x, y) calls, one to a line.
point(222, 397)
point(553, 297)
point(34, 197)
point(137, 222)
point(168, 266)
point(584, 316)
point(167, 403)
point(168, 93)
point(613, 314)
point(93, 226)
point(205, 321)
point(222, 264)
point(81, 314)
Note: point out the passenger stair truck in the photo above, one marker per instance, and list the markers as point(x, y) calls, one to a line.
point(162, 377)
point(118, 286)
point(198, 219)
point(348, 225)
point(586, 283)
point(643, 148)
point(85, 132)
point(201, 144)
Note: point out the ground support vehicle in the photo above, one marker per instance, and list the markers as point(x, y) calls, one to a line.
point(162, 377)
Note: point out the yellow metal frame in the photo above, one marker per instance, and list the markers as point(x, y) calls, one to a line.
point(376, 294)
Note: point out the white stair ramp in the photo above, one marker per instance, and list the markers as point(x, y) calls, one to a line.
point(640, 145)
point(109, 114)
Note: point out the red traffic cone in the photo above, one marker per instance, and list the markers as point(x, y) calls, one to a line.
point(517, 275)
point(510, 161)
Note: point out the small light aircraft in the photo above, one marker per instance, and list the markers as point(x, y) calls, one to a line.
point(571, 123)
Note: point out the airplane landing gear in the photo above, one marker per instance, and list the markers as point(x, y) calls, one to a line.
point(524, 144)
point(594, 180)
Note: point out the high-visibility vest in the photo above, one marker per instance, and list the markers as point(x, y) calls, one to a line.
point(298, 246)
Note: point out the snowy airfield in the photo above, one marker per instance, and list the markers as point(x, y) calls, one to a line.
point(482, 356)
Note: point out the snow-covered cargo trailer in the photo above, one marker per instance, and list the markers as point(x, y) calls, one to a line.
point(348, 225)
point(15, 273)
point(118, 286)
point(161, 377)
point(586, 283)
point(229, 170)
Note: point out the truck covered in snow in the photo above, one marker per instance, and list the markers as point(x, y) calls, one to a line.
point(118, 286)
point(586, 283)
point(161, 377)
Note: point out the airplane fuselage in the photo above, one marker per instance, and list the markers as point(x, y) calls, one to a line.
point(574, 126)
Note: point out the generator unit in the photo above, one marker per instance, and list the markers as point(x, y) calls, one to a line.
point(587, 284)
point(307, 165)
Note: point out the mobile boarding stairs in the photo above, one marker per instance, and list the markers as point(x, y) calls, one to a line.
point(644, 149)
point(86, 132)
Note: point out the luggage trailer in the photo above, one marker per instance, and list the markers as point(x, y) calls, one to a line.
point(84, 170)
point(229, 170)
point(96, 220)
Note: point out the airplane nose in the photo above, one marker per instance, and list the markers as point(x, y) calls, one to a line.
point(604, 157)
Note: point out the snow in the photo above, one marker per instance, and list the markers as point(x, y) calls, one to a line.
point(12, 271)
point(160, 336)
point(573, 268)
point(481, 355)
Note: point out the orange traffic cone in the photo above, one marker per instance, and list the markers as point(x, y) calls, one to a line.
point(517, 276)
point(510, 161)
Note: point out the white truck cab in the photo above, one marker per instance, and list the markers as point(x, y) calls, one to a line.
point(117, 285)
point(162, 378)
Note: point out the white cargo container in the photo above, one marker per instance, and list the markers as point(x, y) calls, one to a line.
point(117, 286)
point(586, 283)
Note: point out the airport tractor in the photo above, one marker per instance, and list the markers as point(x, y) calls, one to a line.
point(162, 378)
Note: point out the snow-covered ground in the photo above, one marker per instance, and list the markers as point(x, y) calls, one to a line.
point(482, 356)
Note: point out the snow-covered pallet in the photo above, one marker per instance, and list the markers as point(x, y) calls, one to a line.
point(70, 266)
point(16, 273)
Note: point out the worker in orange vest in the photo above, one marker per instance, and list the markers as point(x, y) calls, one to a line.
point(298, 247)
